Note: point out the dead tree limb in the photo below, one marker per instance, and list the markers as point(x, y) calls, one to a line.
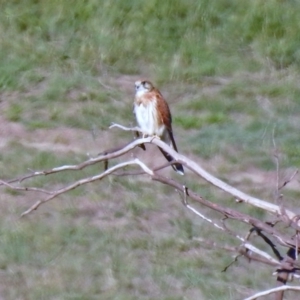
point(285, 266)
point(274, 290)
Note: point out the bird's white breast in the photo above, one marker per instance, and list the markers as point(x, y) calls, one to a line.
point(147, 119)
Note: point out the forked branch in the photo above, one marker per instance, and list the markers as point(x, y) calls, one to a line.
point(282, 238)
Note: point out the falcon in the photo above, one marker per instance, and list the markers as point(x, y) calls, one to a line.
point(154, 118)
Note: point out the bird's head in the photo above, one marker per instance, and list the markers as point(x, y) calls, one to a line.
point(143, 86)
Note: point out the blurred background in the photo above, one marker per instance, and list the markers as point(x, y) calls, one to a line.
point(229, 70)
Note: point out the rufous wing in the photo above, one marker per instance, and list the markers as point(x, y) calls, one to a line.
point(166, 119)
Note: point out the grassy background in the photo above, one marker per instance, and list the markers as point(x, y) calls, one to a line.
point(230, 72)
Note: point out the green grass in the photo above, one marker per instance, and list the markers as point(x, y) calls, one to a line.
point(174, 40)
point(230, 72)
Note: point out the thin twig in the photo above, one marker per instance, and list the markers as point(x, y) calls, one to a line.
point(20, 188)
point(289, 179)
point(223, 228)
point(244, 251)
point(276, 156)
point(113, 125)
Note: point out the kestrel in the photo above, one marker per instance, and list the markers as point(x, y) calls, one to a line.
point(154, 117)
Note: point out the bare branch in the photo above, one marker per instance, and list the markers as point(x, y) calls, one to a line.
point(285, 266)
point(242, 197)
point(230, 213)
point(196, 169)
point(243, 251)
point(140, 172)
point(185, 202)
point(20, 188)
point(113, 125)
point(87, 180)
point(87, 163)
point(276, 156)
point(224, 228)
point(274, 290)
point(287, 181)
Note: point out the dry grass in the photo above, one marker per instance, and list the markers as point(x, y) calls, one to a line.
point(230, 72)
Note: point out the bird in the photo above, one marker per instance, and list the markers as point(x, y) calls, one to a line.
point(154, 118)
